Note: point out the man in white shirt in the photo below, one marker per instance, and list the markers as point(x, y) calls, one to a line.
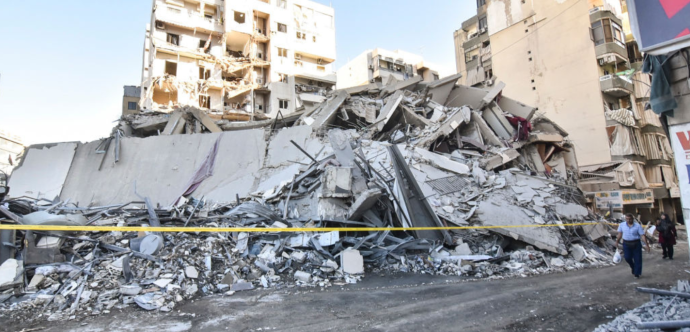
point(631, 233)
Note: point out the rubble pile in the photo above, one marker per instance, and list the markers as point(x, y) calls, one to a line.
point(395, 155)
point(668, 312)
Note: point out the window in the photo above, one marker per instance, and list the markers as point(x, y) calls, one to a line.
point(132, 105)
point(204, 73)
point(482, 23)
point(171, 68)
point(282, 27)
point(299, 35)
point(173, 39)
point(283, 104)
point(208, 17)
point(299, 63)
point(283, 78)
point(605, 31)
point(202, 45)
point(239, 17)
point(436, 77)
point(313, 38)
point(281, 3)
point(469, 57)
point(321, 68)
point(205, 101)
point(282, 52)
point(481, 3)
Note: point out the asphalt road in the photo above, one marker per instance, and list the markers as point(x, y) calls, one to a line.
point(572, 301)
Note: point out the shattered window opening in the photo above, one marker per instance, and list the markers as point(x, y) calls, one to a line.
point(171, 68)
point(282, 27)
point(482, 23)
point(283, 78)
point(239, 17)
point(173, 39)
point(205, 101)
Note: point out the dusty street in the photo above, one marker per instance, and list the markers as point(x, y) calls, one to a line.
point(574, 301)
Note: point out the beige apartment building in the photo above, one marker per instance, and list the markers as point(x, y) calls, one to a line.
point(244, 59)
point(577, 62)
point(378, 65)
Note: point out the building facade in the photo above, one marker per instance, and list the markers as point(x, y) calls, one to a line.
point(378, 65)
point(578, 63)
point(244, 59)
point(11, 149)
point(130, 99)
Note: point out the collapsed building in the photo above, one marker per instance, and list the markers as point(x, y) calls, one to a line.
point(385, 157)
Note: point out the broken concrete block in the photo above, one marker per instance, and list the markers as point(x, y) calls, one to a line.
point(463, 249)
point(363, 203)
point(10, 271)
point(298, 256)
point(191, 272)
point(241, 286)
point(352, 261)
point(302, 276)
point(557, 262)
point(130, 290)
point(337, 182)
point(36, 281)
point(161, 283)
point(578, 252)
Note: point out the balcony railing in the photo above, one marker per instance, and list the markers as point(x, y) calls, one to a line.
point(188, 19)
point(615, 85)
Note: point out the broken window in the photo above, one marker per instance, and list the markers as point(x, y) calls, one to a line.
point(173, 39)
point(436, 77)
point(204, 73)
point(282, 52)
point(131, 105)
point(171, 68)
point(283, 104)
point(239, 17)
point(282, 27)
point(634, 52)
point(283, 78)
point(482, 23)
point(481, 3)
point(205, 101)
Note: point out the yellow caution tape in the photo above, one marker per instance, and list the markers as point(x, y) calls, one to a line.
point(249, 229)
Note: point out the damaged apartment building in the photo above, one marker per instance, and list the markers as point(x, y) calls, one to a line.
point(238, 60)
point(589, 82)
point(378, 65)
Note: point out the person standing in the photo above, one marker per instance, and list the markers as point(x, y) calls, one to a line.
point(667, 235)
point(632, 233)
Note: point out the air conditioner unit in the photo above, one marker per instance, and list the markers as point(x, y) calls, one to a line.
point(298, 56)
point(160, 25)
point(259, 31)
point(259, 55)
point(319, 61)
point(372, 80)
point(611, 58)
point(489, 82)
point(601, 62)
point(371, 67)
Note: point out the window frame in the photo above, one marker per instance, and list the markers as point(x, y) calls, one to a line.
point(283, 104)
point(129, 105)
point(282, 52)
point(284, 26)
point(172, 38)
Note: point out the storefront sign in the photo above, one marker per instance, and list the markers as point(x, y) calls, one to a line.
point(680, 142)
point(660, 26)
point(618, 198)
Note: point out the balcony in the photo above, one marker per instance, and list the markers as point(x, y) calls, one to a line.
point(188, 19)
point(616, 86)
point(311, 71)
point(611, 53)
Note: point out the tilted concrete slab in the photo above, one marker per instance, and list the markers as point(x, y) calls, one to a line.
point(43, 170)
point(162, 166)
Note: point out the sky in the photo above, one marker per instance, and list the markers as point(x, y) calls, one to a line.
point(63, 64)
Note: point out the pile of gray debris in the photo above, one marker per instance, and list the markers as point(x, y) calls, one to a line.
point(667, 311)
point(404, 154)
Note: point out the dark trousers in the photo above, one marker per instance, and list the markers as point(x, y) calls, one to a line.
point(632, 251)
point(668, 250)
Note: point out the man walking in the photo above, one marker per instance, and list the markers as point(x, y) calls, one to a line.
point(631, 233)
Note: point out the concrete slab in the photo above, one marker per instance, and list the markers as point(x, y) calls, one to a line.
point(43, 171)
point(496, 211)
point(388, 110)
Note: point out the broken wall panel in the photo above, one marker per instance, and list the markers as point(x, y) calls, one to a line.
point(34, 179)
point(161, 166)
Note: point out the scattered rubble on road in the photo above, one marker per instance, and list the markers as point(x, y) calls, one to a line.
point(403, 154)
point(667, 311)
